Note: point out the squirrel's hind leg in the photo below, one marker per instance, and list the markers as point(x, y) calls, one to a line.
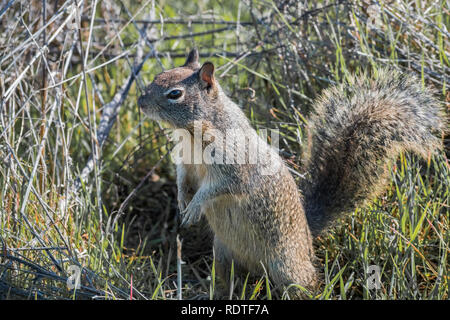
point(223, 262)
point(287, 273)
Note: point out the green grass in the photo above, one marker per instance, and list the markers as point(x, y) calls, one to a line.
point(274, 63)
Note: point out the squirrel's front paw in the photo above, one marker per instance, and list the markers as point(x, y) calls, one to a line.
point(191, 214)
point(183, 200)
point(182, 204)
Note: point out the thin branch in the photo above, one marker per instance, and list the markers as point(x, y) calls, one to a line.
point(109, 115)
point(172, 21)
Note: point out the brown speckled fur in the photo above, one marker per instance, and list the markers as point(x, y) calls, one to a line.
point(261, 222)
point(359, 127)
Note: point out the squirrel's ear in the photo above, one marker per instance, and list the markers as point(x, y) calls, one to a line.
point(192, 59)
point(206, 74)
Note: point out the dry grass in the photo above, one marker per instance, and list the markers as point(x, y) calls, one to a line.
point(85, 179)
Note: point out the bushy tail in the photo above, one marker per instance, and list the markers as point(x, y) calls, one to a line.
point(357, 128)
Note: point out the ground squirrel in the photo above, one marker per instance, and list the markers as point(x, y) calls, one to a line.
point(260, 220)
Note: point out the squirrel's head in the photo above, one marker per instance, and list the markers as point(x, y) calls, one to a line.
point(182, 95)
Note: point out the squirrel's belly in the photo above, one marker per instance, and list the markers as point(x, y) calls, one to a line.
point(229, 220)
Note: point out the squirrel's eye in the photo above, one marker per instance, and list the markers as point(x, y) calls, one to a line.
point(174, 94)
